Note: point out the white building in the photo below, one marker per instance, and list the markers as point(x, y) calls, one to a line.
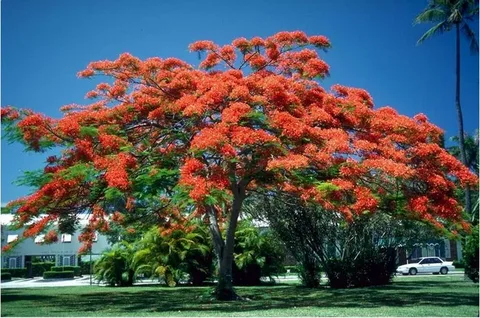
point(64, 252)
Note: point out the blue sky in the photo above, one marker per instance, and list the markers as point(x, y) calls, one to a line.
point(46, 42)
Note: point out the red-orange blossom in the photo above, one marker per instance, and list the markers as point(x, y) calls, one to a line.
point(253, 113)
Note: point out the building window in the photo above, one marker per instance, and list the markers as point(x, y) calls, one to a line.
point(447, 249)
point(66, 261)
point(12, 237)
point(66, 238)
point(430, 250)
point(12, 263)
point(40, 239)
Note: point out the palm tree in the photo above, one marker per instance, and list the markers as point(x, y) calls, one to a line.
point(448, 15)
point(471, 150)
point(473, 161)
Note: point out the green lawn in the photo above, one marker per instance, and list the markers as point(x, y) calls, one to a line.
point(420, 296)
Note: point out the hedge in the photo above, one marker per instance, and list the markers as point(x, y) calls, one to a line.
point(51, 274)
point(369, 269)
point(38, 268)
point(458, 264)
point(75, 269)
point(18, 272)
point(6, 276)
point(85, 267)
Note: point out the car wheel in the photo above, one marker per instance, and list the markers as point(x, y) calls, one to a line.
point(412, 271)
point(444, 270)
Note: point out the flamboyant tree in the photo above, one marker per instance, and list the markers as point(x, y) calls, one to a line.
point(251, 116)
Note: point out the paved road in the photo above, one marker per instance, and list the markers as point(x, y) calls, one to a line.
point(85, 281)
point(40, 282)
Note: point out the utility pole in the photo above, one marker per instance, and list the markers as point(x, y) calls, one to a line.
point(90, 266)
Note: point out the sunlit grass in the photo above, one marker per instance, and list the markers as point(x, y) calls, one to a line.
point(417, 296)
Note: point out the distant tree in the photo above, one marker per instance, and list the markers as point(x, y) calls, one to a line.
point(318, 239)
point(176, 142)
point(448, 15)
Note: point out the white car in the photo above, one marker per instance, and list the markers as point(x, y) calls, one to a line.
point(433, 265)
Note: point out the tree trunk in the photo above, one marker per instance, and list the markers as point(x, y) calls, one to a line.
point(224, 249)
point(224, 290)
point(461, 133)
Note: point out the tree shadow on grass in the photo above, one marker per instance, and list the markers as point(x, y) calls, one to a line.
point(153, 299)
point(15, 295)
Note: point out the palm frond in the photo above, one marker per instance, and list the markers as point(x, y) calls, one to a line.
point(471, 37)
point(430, 15)
point(141, 257)
point(437, 29)
point(142, 269)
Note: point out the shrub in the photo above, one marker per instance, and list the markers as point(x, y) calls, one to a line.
point(113, 267)
point(18, 272)
point(198, 263)
point(309, 272)
point(471, 254)
point(257, 254)
point(175, 255)
point(458, 264)
point(38, 268)
point(53, 275)
point(6, 276)
point(370, 269)
point(249, 275)
point(309, 231)
point(74, 269)
point(85, 267)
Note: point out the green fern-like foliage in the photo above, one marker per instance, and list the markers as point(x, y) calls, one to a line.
point(114, 266)
point(257, 254)
point(173, 257)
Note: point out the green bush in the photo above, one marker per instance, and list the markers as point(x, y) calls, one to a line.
point(38, 268)
point(113, 267)
point(51, 274)
point(257, 254)
point(6, 276)
point(85, 267)
point(175, 256)
point(76, 269)
point(309, 272)
point(199, 260)
point(249, 275)
point(471, 254)
point(458, 264)
point(370, 269)
point(18, 272)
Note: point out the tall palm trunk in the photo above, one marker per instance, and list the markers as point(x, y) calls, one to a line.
point(461, 134)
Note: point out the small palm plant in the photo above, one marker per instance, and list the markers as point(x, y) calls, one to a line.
point(257, 253)
point(167, 256)
point(114, 266)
